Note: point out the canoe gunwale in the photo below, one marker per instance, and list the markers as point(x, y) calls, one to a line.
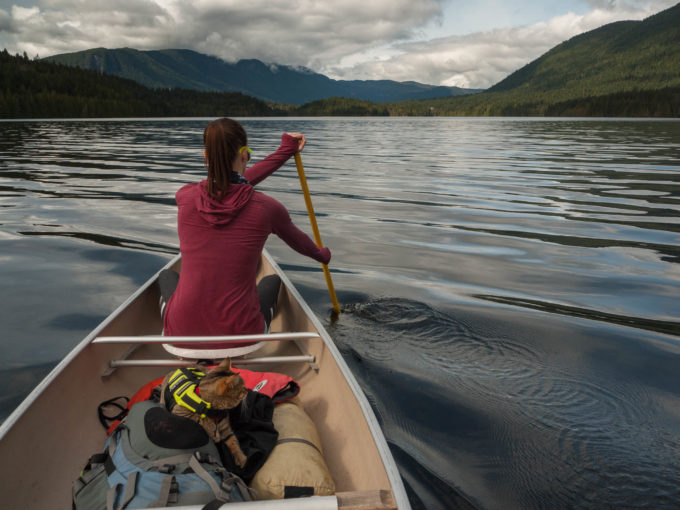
point(397, 486)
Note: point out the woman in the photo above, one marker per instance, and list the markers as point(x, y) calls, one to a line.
point(223, 224)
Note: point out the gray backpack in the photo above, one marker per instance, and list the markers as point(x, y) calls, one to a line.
point(155, 459)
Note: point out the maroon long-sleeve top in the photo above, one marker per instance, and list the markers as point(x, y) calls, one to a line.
point(221, 242)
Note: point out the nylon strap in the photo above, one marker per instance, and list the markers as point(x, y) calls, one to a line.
point(298, 440)
point(97, 458)
point(205, 476)
point(111, 496)
point(130, 489)
point(182, 385)
point(180, 458)
point(87, 476)
point(106, 419)
point(113, 442)
point(109, 466)
point(189, 400)
point(241, 486)
point(164, 492)
point(213, 505)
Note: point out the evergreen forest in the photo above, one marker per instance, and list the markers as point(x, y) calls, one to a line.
point(38, 89)
point(624, 69)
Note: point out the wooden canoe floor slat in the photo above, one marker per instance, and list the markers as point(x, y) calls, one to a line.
point(366, 500)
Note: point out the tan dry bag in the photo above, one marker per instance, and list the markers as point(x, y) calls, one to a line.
point(296, 466)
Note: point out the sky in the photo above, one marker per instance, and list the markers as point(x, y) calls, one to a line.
point(463, 43)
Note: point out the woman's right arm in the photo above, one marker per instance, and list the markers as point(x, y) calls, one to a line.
point(290, 144)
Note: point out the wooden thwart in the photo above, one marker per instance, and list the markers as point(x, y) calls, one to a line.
point(366, 500)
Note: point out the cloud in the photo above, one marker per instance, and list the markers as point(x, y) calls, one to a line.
point(350, 39)
point(5, 22)
point(479, 60)
point(305, 32)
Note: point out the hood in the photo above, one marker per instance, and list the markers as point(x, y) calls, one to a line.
point(220, 212)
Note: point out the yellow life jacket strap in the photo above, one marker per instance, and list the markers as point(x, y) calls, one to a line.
point(182, 384)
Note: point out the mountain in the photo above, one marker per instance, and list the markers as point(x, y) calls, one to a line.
point(188, 69)
point(629, 68)
point(623, 68)
point(39, 89)
point(616, 57)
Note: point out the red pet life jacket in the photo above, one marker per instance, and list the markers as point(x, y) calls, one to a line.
point(278, 387)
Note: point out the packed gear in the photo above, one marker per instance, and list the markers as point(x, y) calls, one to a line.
point(296, 466)
point(156, 459)
point(278, 387)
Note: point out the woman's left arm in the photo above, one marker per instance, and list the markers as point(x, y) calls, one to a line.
point(283, 226)
point(290, 144)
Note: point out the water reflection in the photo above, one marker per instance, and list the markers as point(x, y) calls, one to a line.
point(510, 286)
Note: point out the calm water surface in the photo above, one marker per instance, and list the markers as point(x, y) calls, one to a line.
point(511, 286)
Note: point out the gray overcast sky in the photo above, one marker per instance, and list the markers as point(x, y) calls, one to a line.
point(467, 43)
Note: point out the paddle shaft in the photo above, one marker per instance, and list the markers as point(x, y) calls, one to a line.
point(315, 228)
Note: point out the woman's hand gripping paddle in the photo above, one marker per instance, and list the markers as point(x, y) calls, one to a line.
point(315, 229)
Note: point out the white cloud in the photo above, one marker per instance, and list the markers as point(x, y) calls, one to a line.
point(479, 60)
point(351, 39)
point(22, 14)
point(304, 32)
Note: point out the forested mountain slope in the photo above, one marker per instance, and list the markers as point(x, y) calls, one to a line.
point(269, 82)
point(628, 68)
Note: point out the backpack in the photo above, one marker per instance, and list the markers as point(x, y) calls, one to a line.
point(156, 459)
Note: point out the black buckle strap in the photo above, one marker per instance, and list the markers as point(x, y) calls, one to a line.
point(106, 419)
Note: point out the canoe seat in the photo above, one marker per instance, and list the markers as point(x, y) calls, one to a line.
point(183, 356)
point(197, 354)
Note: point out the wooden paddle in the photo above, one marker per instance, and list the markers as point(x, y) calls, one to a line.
point(315, 229)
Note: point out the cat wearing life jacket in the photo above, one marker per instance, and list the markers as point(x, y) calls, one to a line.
point(206, 397)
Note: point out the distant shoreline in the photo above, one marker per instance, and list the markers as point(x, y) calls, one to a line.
point(37, 89)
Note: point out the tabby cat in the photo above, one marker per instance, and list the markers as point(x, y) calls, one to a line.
point(223, 389)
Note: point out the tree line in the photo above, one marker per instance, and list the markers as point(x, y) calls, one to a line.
point(664, 102)
point(39, 89)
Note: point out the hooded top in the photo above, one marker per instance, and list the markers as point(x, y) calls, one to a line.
point(221, 241)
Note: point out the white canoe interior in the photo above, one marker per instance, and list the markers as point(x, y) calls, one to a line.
point(45, 443)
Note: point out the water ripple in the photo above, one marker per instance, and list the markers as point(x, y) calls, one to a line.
point(528, 355)
point(107, 240)
point(671, 327)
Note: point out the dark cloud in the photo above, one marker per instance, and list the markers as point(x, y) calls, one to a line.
point(354, 39)
point(6, 22)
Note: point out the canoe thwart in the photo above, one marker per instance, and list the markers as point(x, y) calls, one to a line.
point(304, 503)
point(304, 352)
point(159, 339)
point(118, 363)
point(358, 500)
point(366, 500)
point(129, 352)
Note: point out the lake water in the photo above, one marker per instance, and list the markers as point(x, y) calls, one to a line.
point(511, 286)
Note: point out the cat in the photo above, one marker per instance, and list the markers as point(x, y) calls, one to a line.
point(223, 389)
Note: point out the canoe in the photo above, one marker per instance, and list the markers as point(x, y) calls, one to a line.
point(45, 442)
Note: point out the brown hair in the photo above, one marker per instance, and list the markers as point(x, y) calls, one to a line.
point(222, 140)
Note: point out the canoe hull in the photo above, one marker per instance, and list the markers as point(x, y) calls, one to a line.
point(58, 423)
